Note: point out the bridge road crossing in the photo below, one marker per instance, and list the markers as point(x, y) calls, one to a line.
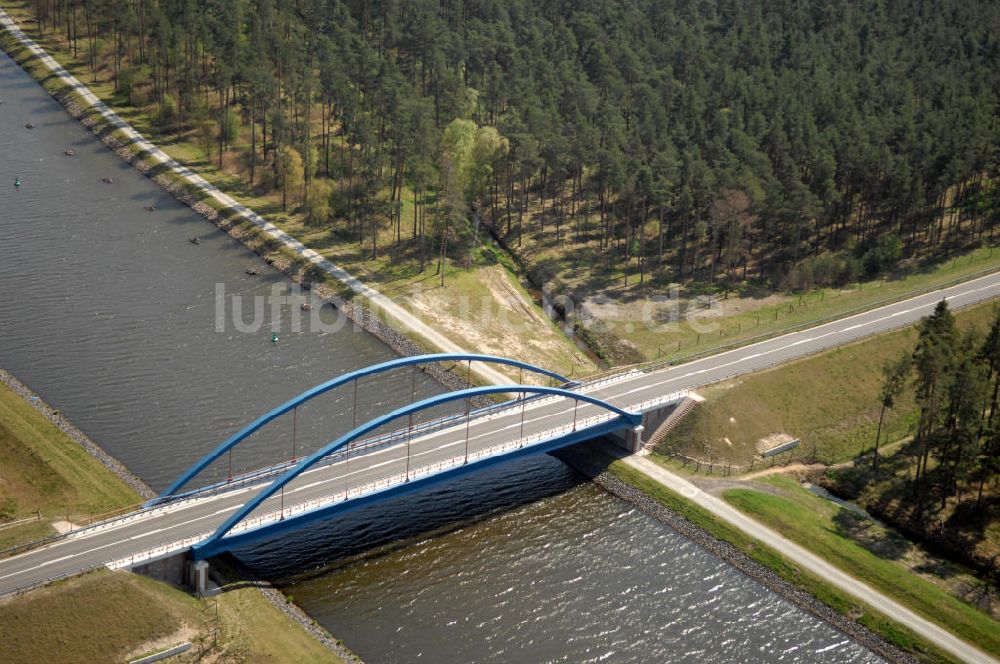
point(187, 519)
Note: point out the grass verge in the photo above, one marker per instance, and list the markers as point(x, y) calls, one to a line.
point(46, 473)
point(743, 318)
point(109, 616)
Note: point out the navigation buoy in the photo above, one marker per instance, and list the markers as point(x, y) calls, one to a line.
point(194, 240)
point(17, 182)
point(29, 126)
point(69, 153)
point(274, 337)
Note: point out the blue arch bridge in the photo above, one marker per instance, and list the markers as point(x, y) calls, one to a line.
point(359, 468)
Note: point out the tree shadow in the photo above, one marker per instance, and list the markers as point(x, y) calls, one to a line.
point(862, 530)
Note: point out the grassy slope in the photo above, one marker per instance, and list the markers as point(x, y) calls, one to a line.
point(43, 469)
point(820, 526)
point(830, 401)
point(832, 597)
point(579, 270)
point(108, 616)
point(264, 634)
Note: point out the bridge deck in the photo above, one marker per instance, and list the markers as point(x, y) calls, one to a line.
point(185, 522)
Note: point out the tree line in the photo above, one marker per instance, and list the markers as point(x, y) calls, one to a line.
point(789, 142)
point(955, 379)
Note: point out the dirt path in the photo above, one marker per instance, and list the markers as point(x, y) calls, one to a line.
point(794, 468)
point(791, 469)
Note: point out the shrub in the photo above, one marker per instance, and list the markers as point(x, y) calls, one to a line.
point(826, 269)
point(883, 256)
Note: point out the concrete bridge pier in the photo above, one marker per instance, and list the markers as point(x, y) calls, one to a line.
point(178, 569)
point(196, 577)
point(633, 438)
point(630, 439)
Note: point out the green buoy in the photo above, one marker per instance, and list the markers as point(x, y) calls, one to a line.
point(17, 182)
point(274, 337)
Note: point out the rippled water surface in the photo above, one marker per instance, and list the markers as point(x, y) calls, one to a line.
point(575, 577)
point(108, 311)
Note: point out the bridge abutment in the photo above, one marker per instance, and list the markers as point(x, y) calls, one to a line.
point(656, 423)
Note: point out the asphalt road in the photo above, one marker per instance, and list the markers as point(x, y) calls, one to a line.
point(180, 521)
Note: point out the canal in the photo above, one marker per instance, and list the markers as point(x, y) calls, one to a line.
point(109, 311)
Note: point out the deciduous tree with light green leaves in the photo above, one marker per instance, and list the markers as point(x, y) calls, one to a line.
point(292, 176)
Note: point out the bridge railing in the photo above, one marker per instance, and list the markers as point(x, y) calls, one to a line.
point(165, 548)
point(291, 406)
point(361, 447)
point(252, 477)
point(420, 471)
point(24, 587)
point(171, 546)
point(138, 514)
point(678, 395)
point(609, 376)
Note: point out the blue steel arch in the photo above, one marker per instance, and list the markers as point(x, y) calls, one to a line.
point(631, 419)
point(322, 388)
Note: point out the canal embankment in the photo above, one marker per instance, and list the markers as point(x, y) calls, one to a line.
point(752, 558)
point(55, 473)
point(302, 266)
point(113, 465)
point(379, 315)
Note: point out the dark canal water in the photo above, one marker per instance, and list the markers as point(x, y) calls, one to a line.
point(109, 312)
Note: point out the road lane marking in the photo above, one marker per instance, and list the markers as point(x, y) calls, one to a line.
point(635, 383)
